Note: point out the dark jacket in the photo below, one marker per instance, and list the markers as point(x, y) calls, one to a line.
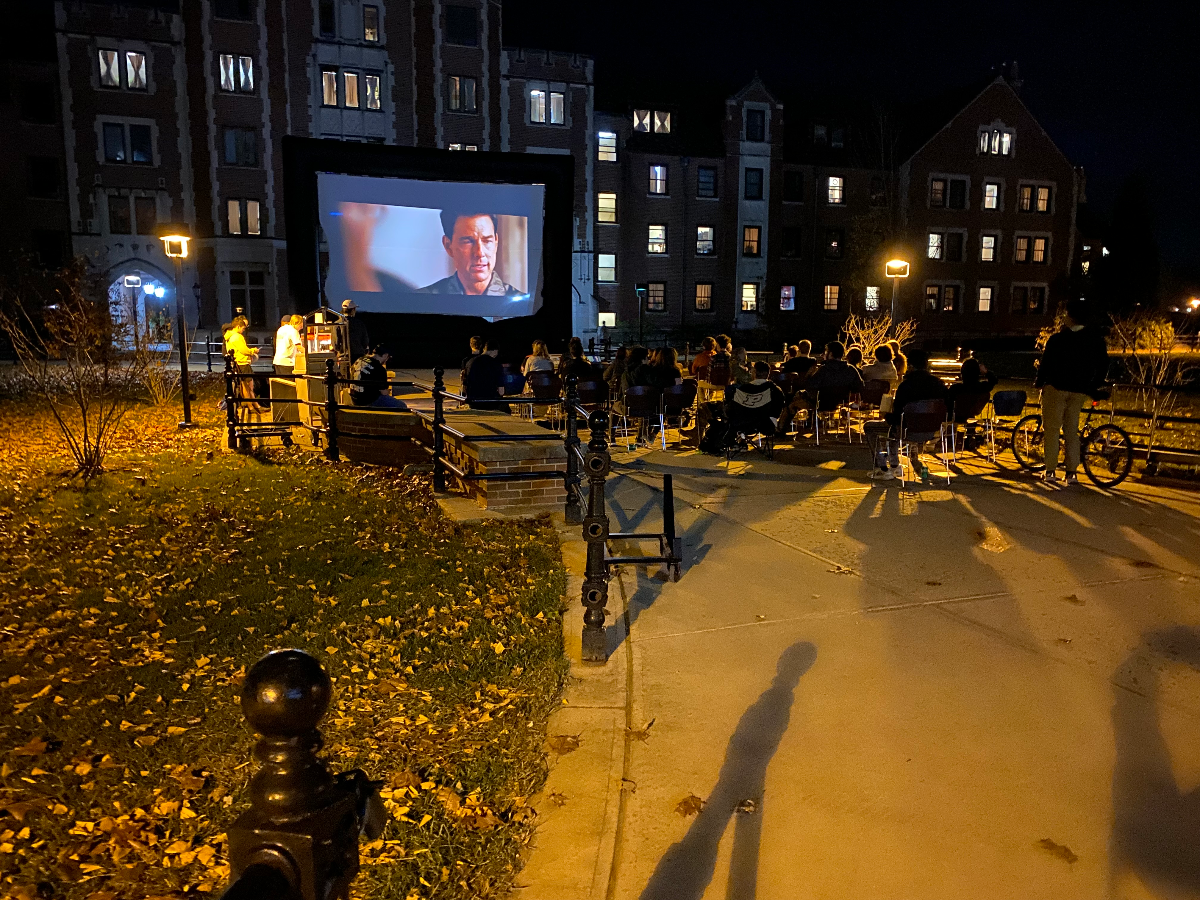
point(799, 365)
point(360, 338)
point(581, 368)
point(964, 395)
point(374, 376)
point(834, 378)
point(1075, 361)
point(655, 376)
point(916, 386)
point(483, 378)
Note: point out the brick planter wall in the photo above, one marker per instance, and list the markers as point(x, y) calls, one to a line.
point(403, 430)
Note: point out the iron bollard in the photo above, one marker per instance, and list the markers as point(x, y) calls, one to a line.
point(231, 410)
point(572, 512)
point(439, 440)
point(331, 408)
point(299, 839)
point(595, 532)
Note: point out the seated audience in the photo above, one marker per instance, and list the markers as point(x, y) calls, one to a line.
point(539, 360)
point(899, 360)
point(370, 381)
point(701, 360)
point(476, 349)
point(854, 356)
point(752, 408)
point(830, 384)
point(740, 368)
point(615, 371)
point(573, 362)
point(484, 379)
point(881, 369)
point(918, 384)
point(802, 363)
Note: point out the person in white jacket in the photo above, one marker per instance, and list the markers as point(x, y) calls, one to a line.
point(287, 342)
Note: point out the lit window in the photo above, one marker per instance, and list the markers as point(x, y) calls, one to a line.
point(787, 297)
point(606, 146)
point(987, 248)
point(1005, 143)
point(1043, 199)
point(371, 23)
point(937, 192)
point(471, 147)
point(641, 120)
point(831, 297)
point(135, 71)
point(371, 85)
point(836, 183)
point(933, 297)
point(1039, 250)
point(462, 94)
point(328, 87)
point(991, 196)
point(351, 84)
point(110, 75)
point(995, 142)
point(656, 240)
point(754, 184)
point(872, 299)
point(253, 224)
point(246, 74)
point(606, 267)
point(227, 77)
point(656, 296)
point(706, 181)
point(658, 179)
point(606, 207)
point(983, 142)
point(1085, 265)
point(1021, 253)
point(833, 243)
point(985, 299)
point(1025, 204)
point(557, 109)
point(751, 237)
point(1104, 251)
point(662, 122)
point(454, 147)
point(750, 296)
point(537, 106)
point(703, 297)
point(234, 208)
point(935, 246)
point(704, 240)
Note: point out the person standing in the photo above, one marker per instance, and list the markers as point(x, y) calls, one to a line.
point(359, 338)
point(243, 358)
point(1072, 369)
point(287, 342)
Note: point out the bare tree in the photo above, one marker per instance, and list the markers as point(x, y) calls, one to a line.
point(65, 340)
point(1147, 343)
point(875, 331)
point(150, 340)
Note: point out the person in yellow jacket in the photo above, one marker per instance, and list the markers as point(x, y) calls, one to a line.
point(243, 355)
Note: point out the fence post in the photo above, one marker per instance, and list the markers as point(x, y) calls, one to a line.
point(299, 839)
point(231, 406)
point(595, 532)
point(208, 351)
point(439, 419)
point(331, 408)
point(572, 511)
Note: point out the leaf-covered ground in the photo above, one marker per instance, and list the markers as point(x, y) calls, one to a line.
point(130, 610)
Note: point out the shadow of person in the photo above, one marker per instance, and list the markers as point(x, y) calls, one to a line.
point(1154, 823)
point(687, 868)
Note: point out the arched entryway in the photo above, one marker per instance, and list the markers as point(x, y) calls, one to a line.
point(142, 300)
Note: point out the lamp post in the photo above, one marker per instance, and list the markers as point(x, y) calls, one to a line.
point(175, 244)
point(895, 269)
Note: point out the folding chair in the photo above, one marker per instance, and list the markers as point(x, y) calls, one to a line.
point(833, 408)
point(643, 404)
point(677, 400)
point(966, 413)
point(546, 386)
point(920, 423)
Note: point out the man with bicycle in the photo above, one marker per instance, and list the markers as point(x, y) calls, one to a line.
point(1072, 370)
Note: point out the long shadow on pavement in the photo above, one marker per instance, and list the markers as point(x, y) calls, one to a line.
point(687, 868)
point(1154, 823)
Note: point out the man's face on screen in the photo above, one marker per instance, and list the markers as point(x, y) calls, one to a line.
point(473, 249)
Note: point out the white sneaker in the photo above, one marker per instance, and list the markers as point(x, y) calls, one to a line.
point(1051, 479)
point(1072, 478)
point(882, 475)
point(896, 471)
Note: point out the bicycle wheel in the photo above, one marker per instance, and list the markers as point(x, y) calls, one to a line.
point(1107, 455)
point(1028, 442)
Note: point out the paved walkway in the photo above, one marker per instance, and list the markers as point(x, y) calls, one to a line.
point(985, 691)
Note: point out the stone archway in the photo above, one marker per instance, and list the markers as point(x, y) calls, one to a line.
point(142, 299)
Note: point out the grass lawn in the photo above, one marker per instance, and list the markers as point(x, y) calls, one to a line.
point(131, 608)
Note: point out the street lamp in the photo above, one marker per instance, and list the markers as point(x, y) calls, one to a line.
point(175, 244)
point(895, 269)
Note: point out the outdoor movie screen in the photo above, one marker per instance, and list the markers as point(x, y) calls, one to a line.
point(400, 245)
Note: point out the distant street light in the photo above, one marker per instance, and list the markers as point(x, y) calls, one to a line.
point(1194, 304)
point(175, 240)
point(895, 269)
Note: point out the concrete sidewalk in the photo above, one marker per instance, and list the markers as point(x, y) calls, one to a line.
point(985, 691)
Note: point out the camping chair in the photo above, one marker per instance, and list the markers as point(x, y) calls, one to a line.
point(748, 428)
point(642, 405)
point(967, 411)
point(920, 423)
point(677, 400)
point(714, 378)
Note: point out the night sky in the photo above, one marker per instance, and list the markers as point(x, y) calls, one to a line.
point(1116, 86)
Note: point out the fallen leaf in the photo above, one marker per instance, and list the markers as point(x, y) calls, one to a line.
point(1060, 850)
point(689, 805)
point(1074, 600)
point(640, 734)
point(563, 743)
point(35, 747)
point(747, 808)
point(557, 799)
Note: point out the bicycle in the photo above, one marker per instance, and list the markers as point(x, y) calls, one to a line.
point(1106, 450)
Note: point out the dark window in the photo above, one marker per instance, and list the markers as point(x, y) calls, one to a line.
point(114, 142)
point(1037, 301)
point(751, 240)
point(937, 192)
point(837, 138)
point(954, 246)
point(754, 184)
point(835, 241)
point(462, 94)
point(44, 180)
point(371, 23)
point(248, 296)
point(49, 246)
point(958, 194)
point(1026, 202)
point(327, 20)
point(241, 147)
point(793, 186)
point(950, 298)
point(756, 125)
point(234, 9)
point(1020, 300)
point(118, 215)
point(792, 243)
point(878, 195)
point(140, 148)
point(706, 181)
point(145, 215)
point(39, 104)
point(462, 26)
